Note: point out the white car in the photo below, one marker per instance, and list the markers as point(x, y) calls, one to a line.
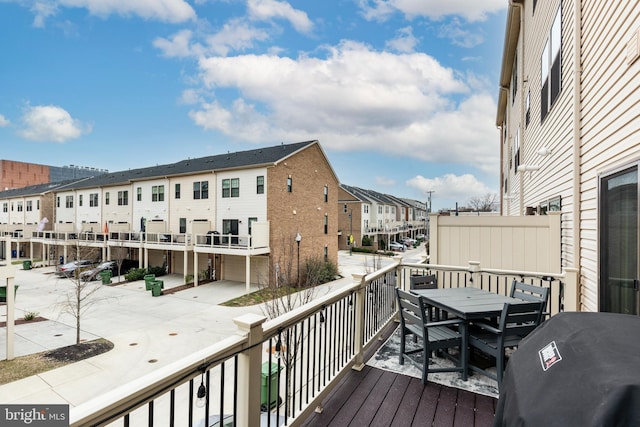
point(395, 246)
point(421, 236)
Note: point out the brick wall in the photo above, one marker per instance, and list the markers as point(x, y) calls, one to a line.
point(303, 210)
point(20, 174)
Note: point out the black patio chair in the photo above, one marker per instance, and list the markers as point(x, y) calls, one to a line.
point(435, 336)
point(531, 293)
point(516, 322)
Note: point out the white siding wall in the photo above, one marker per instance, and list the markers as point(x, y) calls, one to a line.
point(610, 116)
point(32, 217)
point(188, 207)
point(555, 176)
point(147, 208)
point(64, 214)
point(248, 205)
point(88, 218)
point(117, 213)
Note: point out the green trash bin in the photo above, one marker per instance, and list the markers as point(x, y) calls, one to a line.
point(156, 288)
point(106, 277)
point(269, 398)
point(148, 278)
point(26, 265)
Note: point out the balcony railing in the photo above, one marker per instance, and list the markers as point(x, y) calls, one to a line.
point(287, 365)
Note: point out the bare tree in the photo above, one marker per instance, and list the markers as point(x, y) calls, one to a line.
point(486, 203)
point(82, 295)
point(118, 255)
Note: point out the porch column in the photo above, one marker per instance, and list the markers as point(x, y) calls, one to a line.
point(571, 290)
point(64, 253)
point(250, 369)
point(109, 252)
point(7, 274)
point(359, 319)
point(247, 272)
point(185, 263)
point(146, 258)
point(195, 268)
point(30, 250)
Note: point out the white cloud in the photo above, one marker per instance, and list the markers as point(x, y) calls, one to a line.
point(453, 30)
point(451, 188)
point(51, 123)
point(471, 10)
point(355, 99)
point(405, 42)
point(265, 10)
point(235, 35)
point(4, 122)
point(173, 11)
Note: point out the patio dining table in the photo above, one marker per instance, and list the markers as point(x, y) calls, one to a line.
point(468, 304)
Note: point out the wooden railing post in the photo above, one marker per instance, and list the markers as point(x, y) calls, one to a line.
point(250, 369)
point(474, 268)
point(359, 318)
point(571, 298)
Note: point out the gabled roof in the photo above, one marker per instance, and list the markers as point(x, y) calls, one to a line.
point(36, 190)
point(240, 159)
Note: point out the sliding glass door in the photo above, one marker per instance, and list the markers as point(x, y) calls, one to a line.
point(619, 242)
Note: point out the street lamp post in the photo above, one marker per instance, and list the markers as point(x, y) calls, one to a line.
point(298, 238)
point(351, 232)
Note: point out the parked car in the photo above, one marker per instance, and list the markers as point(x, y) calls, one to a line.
point(94, 273)
point(408, 241)
point(421, 236)
point(69, 269)
point(395, 246)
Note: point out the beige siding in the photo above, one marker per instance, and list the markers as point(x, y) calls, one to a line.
point(186, 206)
point(610, 117)
point(235, 266)
point(510, 243)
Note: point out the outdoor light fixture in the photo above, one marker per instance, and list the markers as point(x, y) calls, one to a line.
point(278, 348)
point(321, 317)
point(202, 394)
point(544, 151)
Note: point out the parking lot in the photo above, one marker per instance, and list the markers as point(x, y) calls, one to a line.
point(147, 332)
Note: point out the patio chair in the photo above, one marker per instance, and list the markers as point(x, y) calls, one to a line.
point(435, 336)
point(531, 293)
point(516, 322)
point(424, 282)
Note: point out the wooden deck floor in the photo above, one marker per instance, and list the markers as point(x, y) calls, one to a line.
point(373, 397)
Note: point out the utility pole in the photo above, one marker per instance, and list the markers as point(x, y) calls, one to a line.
point(426, 220)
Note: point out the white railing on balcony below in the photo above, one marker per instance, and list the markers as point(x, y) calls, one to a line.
point(171, 239)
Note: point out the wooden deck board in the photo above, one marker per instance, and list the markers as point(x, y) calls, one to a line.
point(372, 397)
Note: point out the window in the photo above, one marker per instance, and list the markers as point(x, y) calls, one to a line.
point(157, 193)
point(226, 188)
point(260, 185)
point(69, 202)
point(326, 194)
point(326, 224)
point(80, 200)
point(11, 206)
point(57, 202)
point(251, 221)
point(19, 206)
point(551, 67)
point(93, 199)
point(516, 150)
point(5, 207)
point(514, 78)
point(527, 109)
point(289, 184)
point(235, 187)
point(106, 198)
point(201, 190)
point(379, 210)
point(552, 205)
point(139, 194)
point(177, 191)
point(365, 209)
point(183, 225)
point(29, 205)
point(38, 204)
point(123, 198)
point(326, 254)
point(345, 208)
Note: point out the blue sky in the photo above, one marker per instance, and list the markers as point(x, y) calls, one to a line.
point(400, 93)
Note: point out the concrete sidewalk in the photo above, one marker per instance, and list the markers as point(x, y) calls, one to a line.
point(147, 332)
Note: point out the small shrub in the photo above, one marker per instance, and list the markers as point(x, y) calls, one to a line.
point(158, 271)
point(364, 250)
point(135, 274)
point(366, 241)
point(188, 278)
point(30, 315)
point(318, 271)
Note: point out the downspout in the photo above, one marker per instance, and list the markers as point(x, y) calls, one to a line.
point(520, 60)
point(577, 139)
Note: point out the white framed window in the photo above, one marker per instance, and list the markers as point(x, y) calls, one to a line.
point(551, 67)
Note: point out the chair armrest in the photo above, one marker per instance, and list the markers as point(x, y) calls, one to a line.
point(445, 323)
point(487, 327)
